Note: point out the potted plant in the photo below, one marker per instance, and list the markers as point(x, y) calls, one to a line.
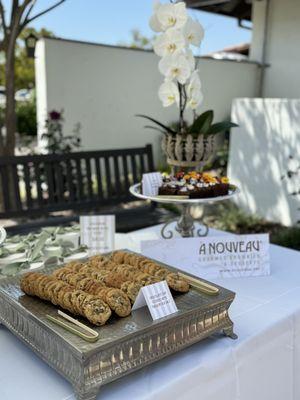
point(188, 145)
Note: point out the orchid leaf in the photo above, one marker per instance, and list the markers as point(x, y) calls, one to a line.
point(221, 127)
point(166, 128)
point(154, 128)
point(203, 123)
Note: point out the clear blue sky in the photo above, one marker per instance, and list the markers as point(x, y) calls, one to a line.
point(110, 21)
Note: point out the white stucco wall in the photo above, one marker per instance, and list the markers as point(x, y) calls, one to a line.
point(268, 133)
point(282, 77)
point(104, 87)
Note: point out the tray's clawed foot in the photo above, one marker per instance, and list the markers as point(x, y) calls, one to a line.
point(229, 333)
point(86, 394)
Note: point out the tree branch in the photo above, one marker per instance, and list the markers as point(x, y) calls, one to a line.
point(14, 7)
point(2, 15)
point(28, 20)
point(28, 13)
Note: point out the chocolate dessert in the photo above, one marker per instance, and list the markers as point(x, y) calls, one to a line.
point(194, 184)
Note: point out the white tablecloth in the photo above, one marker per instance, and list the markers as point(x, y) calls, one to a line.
point(263, 364)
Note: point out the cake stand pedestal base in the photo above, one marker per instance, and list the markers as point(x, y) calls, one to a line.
point(185, 225)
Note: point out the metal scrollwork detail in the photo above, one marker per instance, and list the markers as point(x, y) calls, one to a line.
point(167, 234)
point(203, 230)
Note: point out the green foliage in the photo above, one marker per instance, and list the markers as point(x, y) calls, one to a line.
point(164, 127)
point(139, 41)
point(24, 66)
point(56, 141)
point(203, 124)
point(26, 118)
point(228, 217)
point(221, 127)
point(288, 237)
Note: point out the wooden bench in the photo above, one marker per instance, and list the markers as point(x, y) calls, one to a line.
point(89, 181)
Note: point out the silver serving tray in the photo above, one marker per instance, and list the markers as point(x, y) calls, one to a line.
point(136, 190)
point(125, 344)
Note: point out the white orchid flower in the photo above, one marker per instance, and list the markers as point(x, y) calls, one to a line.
point(191, 59)
point(175, 66)
point(195, 101)
point(154, 23)
point(168, 93)
point(193, 32)
point(194, 85)
point(193, 91)
point(169, 42)
point(172, 15)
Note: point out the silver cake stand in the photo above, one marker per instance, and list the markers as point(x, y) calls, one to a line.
point(185, 223)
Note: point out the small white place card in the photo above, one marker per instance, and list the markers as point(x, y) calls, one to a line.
point(158, 298)
point(214, 257)
point(151, 182)
point(97, 232)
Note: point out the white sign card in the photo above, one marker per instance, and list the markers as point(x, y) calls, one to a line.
point(98, 233)
point(214, 257)
point(158, 298)
point(151, 182)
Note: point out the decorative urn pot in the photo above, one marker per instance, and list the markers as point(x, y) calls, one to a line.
point(188, 151)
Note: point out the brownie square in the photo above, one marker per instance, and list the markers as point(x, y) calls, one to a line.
point(167, 191)
point(221, 189)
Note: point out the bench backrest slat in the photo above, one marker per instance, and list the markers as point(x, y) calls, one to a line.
point(38, 184)
point(99, 179)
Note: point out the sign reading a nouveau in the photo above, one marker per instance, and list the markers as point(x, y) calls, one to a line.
point(214, 257)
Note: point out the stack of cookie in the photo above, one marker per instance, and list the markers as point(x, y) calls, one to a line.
point(59, 293)
point(143, 264)
point(117, 300)
point(125, 271)
point(100, 286)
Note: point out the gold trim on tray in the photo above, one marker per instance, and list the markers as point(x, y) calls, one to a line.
point(84, 332)
point(201, 285)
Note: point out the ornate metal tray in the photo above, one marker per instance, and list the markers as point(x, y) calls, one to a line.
point(125, 344)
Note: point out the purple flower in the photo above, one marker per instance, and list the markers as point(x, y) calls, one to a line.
point(54, 115)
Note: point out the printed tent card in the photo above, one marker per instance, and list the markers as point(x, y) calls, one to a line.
point(214, 257)
point(150, 183)
point(98, 233)
point(158, 298)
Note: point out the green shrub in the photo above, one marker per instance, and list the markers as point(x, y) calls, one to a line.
point(287, 237)
point(26, 118)
point(228, 217)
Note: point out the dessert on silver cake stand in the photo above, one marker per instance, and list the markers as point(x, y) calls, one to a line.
point(185, 223)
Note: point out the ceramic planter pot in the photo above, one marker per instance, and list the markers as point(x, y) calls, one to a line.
point(188, 151)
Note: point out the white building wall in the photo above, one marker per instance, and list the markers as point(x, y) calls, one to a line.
point(104, 87)
point(282, 77)
point(269, 128)
point(268, 134)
